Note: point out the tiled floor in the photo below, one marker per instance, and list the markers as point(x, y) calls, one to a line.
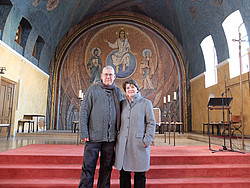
point(68, 138)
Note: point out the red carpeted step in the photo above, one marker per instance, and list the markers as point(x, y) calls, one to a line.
point(156, 171)
point(208, 159)
point(179, 166)
point(72, 154)
point(39, 159)
point(241, 182)
point(161, 160)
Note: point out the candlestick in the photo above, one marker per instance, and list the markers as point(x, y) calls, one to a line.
point(168, 98)
point(80, 95)
point(175, 96)
point(164, 100)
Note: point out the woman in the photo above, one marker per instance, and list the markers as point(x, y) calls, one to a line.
point(134, 137)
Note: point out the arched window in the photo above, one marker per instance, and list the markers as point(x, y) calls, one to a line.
point(23, 32)
point(38, 47)
point(210, 57)
point(5, 7)
point(233, 25)
point(18, 34)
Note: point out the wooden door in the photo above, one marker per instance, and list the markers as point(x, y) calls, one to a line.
point(6, 101)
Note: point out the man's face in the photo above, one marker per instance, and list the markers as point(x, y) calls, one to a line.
point(122, 34)
point(108, 76)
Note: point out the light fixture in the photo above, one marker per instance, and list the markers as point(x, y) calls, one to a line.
point(2, 69)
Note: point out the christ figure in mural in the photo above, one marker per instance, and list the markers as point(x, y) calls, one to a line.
point(147, 69)
point(95, 66)
point(121, 56)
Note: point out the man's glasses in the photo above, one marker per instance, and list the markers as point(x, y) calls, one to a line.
point(110, 75)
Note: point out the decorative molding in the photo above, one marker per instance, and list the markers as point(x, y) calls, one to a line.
point(222, 63)
point(197, 77)
point(23, 59)
point(217, 66)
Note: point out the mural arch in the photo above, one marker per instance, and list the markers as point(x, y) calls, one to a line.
point(148, 53)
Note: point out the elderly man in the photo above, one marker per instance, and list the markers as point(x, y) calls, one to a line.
point(99, 122)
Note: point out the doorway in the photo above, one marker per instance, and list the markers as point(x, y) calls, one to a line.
point(6, 103)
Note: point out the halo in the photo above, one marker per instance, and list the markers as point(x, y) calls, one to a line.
point(145, 51)
point(99, 51)
point(125, 30)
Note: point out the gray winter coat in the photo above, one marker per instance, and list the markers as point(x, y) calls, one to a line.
point(137, 129)
point(98, 114)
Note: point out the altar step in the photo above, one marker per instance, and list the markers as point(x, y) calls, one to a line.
point(171, 166)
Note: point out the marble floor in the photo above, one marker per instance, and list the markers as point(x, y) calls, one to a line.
point(68, 138)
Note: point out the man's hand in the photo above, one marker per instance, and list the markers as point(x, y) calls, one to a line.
point(85, 139)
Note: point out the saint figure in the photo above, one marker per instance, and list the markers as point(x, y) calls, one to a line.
point(147, 69)
point(121, 56)
point(95, 66)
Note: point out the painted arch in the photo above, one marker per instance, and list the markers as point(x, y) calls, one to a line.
point(72, 73)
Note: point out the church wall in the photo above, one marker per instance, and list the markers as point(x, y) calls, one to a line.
point(200, 97)
point(31, 98)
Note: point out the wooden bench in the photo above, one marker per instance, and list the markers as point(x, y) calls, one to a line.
point(179, 125)
point(218, 126)
point(8, 126)
point(22, 122)
point(37, 116)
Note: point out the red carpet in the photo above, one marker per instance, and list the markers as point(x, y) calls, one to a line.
point(171, 166)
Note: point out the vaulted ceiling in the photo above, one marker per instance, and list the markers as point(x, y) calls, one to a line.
point(190, 21)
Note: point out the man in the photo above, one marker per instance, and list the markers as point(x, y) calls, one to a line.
point(99, 122)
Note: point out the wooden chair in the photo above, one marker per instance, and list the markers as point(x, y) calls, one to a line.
point(75, 129)
point(75, 126)
point(236, 123)
point(157, 115)
point(22, 122)
point(8, 127)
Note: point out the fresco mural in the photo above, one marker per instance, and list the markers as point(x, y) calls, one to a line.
point(133, 50)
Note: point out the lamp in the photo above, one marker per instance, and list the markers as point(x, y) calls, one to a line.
point(2, 69)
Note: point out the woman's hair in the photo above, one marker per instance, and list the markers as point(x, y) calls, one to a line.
point(130, 82)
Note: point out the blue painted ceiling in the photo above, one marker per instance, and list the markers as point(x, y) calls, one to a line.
point(190, 21)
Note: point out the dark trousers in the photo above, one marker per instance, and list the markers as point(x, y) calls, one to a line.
point(139, 179)
point(91, 154)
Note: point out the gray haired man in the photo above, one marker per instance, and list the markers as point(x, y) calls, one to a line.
point(99, 122)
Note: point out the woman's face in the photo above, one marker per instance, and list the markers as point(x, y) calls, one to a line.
point(131, 90)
